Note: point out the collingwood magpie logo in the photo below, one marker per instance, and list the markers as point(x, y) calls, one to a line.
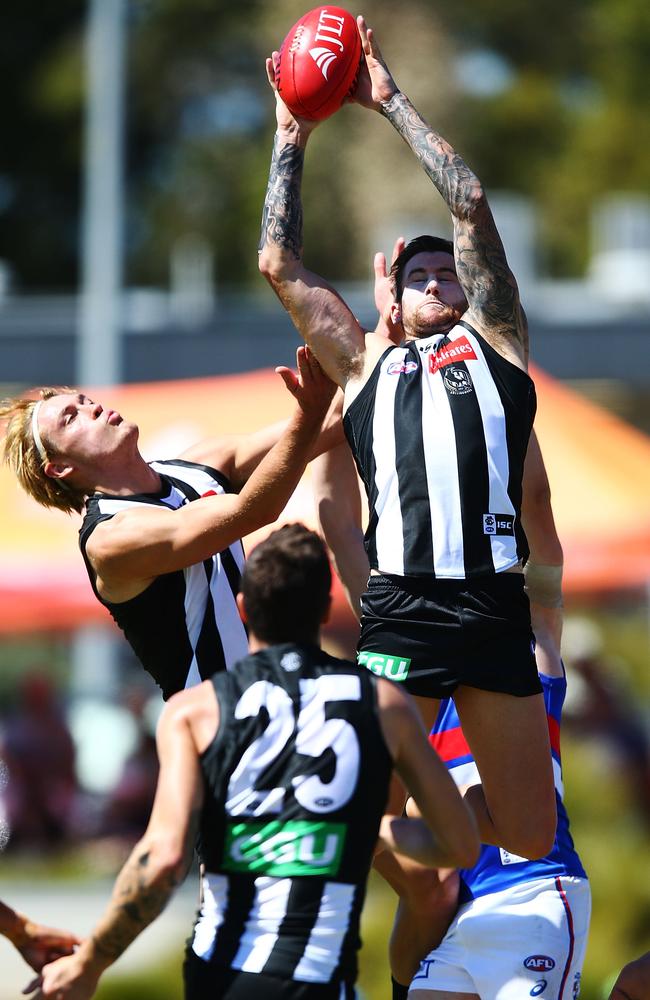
point(457, 381)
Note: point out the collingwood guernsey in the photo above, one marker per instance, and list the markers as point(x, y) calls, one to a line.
point(439, 432)
point(185, 625)
point(296, 783)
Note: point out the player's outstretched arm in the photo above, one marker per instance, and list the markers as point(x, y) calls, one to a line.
point(238, 455)
point(453, 841)
point(543, 571)
point(318, 312)
point(338, 509)
point(481, 265)
point(135, 546)
point(37, 944)
point(156, 866)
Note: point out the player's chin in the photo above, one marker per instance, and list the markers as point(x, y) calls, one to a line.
point(442, 319)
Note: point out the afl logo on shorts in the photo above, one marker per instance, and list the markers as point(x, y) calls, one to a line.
point(457, 381)
point(402, 367)
point(539, 963)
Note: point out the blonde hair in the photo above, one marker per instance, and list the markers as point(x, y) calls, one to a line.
point(24, 456)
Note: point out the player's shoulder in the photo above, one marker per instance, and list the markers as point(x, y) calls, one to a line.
point(194, 708)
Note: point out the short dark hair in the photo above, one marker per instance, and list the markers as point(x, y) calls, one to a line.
point(421, 244)
point(286, 586)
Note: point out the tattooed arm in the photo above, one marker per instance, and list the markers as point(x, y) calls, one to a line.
point(157, 864)
point(318, 312)
point(489, 285)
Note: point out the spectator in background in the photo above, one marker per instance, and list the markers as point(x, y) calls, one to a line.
point(603, 708)
point(130, 802)
point(39, 799)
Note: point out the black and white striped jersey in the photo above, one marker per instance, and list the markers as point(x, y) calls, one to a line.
point(185, 625)
point(296, 783)
point(439, 433)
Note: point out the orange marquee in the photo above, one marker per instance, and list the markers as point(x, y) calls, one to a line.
point(598, 466)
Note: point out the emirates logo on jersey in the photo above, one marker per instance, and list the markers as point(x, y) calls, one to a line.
point(458, 350)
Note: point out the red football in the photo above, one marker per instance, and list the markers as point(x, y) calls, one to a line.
point(319, 62)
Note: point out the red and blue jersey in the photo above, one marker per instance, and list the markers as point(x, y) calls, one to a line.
point(496, 868)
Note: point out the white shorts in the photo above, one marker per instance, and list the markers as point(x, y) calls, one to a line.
point(526, 941)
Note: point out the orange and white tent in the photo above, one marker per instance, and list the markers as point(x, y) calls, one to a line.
point(598, 466)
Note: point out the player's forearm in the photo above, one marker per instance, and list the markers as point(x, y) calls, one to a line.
point(458, 185)
point(281, 233)
point(142, 890)
point(481, 264)
point(269, 488)
point(12, 925)
point(410, 837)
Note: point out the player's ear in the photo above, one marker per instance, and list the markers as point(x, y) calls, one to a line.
point(58, 470)
point(241, 607)
point(396, 312)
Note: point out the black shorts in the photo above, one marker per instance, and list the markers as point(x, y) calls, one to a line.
point(207, 981)
point(434, 635)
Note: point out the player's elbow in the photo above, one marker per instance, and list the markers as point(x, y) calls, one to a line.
point(473, 204)
point(275, 266)
point(465, 848)
point(167, 861)
point(533, 843)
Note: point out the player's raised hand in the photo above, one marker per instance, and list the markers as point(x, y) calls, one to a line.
point(310, 387)
point(288, 123)
point(384, 292)
point(375, 85)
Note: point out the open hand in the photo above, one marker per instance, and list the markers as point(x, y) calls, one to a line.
point(384, 292)
point(375, 85)
point(288, 123)
point(312, 389)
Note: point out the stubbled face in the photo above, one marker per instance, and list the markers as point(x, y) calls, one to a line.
point(82, 432)
point(432, 298)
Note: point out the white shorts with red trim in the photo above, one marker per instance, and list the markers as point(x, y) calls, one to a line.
point(526, 941)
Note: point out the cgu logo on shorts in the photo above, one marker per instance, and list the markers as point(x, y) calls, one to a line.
point(402, 367)
point(539, 963)
point(395, 668)
point(297, 847)
point(456, 350)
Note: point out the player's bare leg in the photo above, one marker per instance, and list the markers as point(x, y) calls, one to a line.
point(514, 805)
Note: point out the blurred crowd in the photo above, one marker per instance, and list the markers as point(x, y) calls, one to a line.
point(76, 770)
point(52, 793)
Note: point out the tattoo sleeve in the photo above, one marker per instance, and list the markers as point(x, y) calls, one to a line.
point(282, 216)
point(139, 896)
point(481, 262)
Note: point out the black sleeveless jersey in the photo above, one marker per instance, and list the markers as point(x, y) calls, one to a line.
point(185, 625)
point(439, 433)
point(296, 783)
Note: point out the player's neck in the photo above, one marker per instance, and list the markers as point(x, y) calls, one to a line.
point(255, 645)
point(128, 479)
